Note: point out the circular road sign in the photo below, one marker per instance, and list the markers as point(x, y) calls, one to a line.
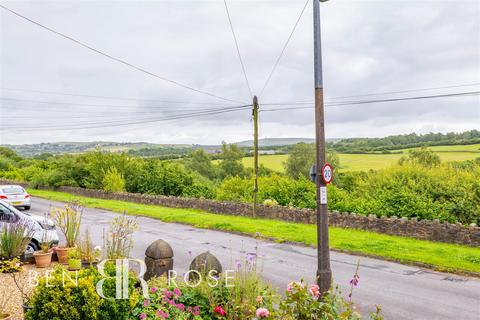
point(327, 173)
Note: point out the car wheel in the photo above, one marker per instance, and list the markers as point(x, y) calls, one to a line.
point(31, 248)
point(27, 207)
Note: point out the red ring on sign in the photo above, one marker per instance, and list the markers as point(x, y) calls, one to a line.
point(323, 173)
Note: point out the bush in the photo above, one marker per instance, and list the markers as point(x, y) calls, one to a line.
point(14, 238)
point(65, 300)
point(283, 190)
point(113, 181)
point(448, 192)
point(165, 178)
point(200, 188)
point(245, 297)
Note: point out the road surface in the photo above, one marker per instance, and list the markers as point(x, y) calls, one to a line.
point(404, 292)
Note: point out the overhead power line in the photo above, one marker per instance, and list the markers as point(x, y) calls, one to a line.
point(114, 58)
point(348, 103)
point(108, 97)
point(375, 94)
point(99, 105)
point(284, 48)
point(405, 91)
point(238, 49)
point(117, 123)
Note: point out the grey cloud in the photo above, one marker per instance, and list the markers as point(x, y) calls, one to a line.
point(368, 46)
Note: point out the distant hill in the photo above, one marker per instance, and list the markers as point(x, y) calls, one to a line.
point(30, 150)
point(280, 145)
point(272, 142)
point(139, 148)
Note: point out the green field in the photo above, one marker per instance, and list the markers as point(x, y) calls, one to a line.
point(441, 256)
point(363, 162)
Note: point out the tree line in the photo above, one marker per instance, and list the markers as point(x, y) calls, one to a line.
point(420, 185)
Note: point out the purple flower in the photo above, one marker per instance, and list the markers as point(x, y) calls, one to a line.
point(251, 257)
point(355, 280)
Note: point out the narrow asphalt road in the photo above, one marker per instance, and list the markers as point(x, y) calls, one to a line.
point(404, 292)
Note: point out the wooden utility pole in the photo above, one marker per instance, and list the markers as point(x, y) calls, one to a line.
point(255, 154)
point(324, 273)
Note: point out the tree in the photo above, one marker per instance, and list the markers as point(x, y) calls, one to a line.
point(424, 157)
point(231, 164)
point(303, 156)
point(201, 162)
point(9, 154)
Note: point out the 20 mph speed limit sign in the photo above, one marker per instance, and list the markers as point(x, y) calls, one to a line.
point(327, 173)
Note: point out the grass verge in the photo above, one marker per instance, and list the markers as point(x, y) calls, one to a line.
point(440, 256)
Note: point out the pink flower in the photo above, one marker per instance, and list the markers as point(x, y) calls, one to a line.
point(292, 284)
point(180, 306)
point(142, 316)
point(262, 313)
point(146, 303)
point(259, 299)
point(315, 290)
point(161, 314)
point(196, 311)
point(219, 310)
point(177, 292)
point(153, 289)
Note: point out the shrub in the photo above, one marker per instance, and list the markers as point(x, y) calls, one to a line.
point(238, 299)
point(14, 238)
point(165, 178)
point(119, 238)
point(68, 220)
point(303, 301)
point(247, 297)
point(66, 300)
point(200, 188)
point(113, 181)
point(283, 190)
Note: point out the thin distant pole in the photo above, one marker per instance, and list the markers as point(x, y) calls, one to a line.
point(255, 154)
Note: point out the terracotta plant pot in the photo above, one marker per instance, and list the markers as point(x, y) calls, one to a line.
point(6, 316)
point(42, 259)
point(62, 254)
point(74, 264)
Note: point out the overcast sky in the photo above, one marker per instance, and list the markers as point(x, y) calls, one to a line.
point(368, 47)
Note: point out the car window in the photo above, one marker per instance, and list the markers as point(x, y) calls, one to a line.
point(6, 215)
point(13, 190)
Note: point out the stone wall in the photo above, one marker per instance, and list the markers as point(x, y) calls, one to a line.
point(423, 229)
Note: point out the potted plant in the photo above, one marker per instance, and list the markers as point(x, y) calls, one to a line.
point(90, 255)
point(74, 259)
point(14, 238)
point(43, 257)
point(68, 221)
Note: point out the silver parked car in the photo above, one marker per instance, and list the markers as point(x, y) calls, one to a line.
point(16, 196)
point(43, 228)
